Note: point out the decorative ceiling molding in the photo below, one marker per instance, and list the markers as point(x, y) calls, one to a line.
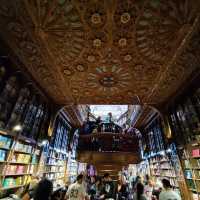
point(144, 116)
point(103, 51)
point(8, 55)
point(73, 115)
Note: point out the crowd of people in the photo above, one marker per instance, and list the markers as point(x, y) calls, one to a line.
point(104, 188)
point(131, 188)
point(99, 125)
point(106, 125)
point(108, 142)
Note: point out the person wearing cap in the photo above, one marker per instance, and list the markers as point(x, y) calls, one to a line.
point(168, 193)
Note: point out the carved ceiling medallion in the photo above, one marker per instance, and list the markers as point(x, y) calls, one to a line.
point(91, 58)
point(97, 43)
point(127, 58)
point(108, 81)
point(96, 18)
point(125, 18)
point(68, 72)
point(95, 14)
point(81, 67)
point(122, 42)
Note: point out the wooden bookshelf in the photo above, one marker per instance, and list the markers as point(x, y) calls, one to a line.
point(191, 166)
point(55, 156)
point(19, 161)
point(55, 167)
point(161, 167)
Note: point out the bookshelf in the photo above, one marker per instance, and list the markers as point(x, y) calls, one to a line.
point(55, 167)
point(143, 168)
point(161, 167)
point(22, 156)
point(72, 164)
point(19, 158)
point(184, 120)
point(55, 154)
point(163, 157)
point(191, 165)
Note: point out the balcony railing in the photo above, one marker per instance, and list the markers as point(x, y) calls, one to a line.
point(93, 127)
point(108, 142)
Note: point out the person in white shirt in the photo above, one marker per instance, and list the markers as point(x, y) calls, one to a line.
point(76, 191)
point(131, 180)
point(148, 190)
point(168, 193)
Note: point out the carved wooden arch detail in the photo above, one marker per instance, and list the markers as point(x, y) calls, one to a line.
point(104, 51)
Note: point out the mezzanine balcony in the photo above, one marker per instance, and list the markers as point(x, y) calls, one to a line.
point(108, 147)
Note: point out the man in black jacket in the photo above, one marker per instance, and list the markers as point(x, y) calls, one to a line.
point(108, 190)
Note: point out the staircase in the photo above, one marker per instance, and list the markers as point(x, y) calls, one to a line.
point(113, 170)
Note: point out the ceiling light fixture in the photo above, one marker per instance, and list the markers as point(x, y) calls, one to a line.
point(17, 128)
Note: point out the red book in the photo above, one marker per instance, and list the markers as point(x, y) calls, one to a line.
point(196, 153)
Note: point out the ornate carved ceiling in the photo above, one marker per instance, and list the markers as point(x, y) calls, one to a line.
point(103, 51)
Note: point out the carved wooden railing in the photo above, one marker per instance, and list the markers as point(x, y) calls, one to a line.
point(110, 148)
point(108, 142)
point(92, 126)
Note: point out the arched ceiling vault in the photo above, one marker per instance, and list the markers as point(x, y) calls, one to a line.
point(104, 51)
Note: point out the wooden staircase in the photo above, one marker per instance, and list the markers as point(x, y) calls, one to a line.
point(113, 170)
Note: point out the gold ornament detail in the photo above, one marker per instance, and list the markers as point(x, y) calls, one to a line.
point(125, 18)
point(96, 18)
point(127, 58)
point(97, 43)
point(67, 72)
point(91, 58)
point(122, 42)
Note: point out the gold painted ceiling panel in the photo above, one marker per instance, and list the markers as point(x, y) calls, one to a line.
point(104, 51)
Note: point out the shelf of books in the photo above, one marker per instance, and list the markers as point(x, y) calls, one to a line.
point(22, 159)
point(55, 154)
point(19, 159)
point(55, 167)
point(72, 170)
point(160, 164)
point(142, 168)
point(72, 167)
point(163, 158)
point(184, 120)
point(25, 115)
point(72, 164)
point(161, 167)
point(191, 165)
